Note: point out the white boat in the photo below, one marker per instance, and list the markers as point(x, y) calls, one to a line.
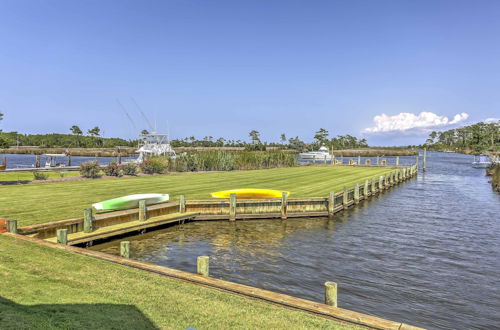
point(316, 156)
point(482, 161)
point(154, 144)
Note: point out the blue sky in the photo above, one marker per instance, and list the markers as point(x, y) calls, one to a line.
point(223, 68)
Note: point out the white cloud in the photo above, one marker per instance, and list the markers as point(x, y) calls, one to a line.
point(491, 120)
point(406, 121)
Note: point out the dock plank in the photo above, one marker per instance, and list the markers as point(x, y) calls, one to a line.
point(127, 227)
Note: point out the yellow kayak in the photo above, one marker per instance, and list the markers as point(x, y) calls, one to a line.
point(249, 193)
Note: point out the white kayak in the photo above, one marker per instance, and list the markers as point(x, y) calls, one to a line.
point(130, 201)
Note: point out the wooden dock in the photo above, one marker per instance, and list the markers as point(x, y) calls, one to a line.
point(125, 228)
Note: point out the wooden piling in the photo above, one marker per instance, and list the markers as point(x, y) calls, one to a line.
point(232, 207)
point(342, 159)
point(284, 205)
point(62, 236)
point(331, 204)
point(182, 204)
point(331, 294)
point(202, 265)
point(378, 160)
point(424, 162)
point(356, 193)
point(88, 221)
point(397, 160)
point(373, 186)
point(345, 198)
point(4, 161)
point(359, 159)
point(12, 226)
point(142, 211)
point(37, 161)
point(69, 160)
point(381, 183)
point(125, 249)
point(365, 190)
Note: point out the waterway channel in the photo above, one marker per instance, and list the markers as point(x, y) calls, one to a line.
point(426, 252)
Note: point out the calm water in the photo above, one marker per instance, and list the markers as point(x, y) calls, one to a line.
point(23, 161)
point(426, 252)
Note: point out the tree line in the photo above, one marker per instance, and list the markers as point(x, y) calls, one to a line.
point(93, 139)
point(478, 138)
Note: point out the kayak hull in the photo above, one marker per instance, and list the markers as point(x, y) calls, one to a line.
point(249, 193)
point(130, 201)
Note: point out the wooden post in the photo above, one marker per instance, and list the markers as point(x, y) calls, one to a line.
point(37, 161)
point(365, 190)
point(342, 159)
point(4, 161)
point(232, 207)
point(381, 183)
point(424, 163)
point(345, 198)
point(397, 160)
point(88, 221)
point(62, 236)
point(359, 159)
point(284, 204)
point(356, 193)
point(119, 158)
point(12, 226)
point(333, 159)
point(331, 204)
point(378, 160)
point(69, 160)
point(182, 204)
point(202, 265)
point(125, 249)
point(331, 294)
point(142, 210)
point(373, 186)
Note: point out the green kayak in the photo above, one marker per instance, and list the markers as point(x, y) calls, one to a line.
point(130, 201)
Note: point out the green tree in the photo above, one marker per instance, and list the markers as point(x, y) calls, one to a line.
point(321, 136)
point(95, 132)
point(76, 130)
point(254, 135)
point(283, 138)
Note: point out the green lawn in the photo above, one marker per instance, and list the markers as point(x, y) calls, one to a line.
point(28, 176)
point(38, 203)
point(47, 288)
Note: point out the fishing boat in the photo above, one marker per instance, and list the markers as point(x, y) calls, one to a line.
point(249, 193)
point(321, 155)
point(481, 161)
point(130, 201)
point(154, 144)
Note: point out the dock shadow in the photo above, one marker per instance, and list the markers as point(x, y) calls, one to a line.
point(71, 316)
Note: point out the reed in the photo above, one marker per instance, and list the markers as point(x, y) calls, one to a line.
point(220, 160)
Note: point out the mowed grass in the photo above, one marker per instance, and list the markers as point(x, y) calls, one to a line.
point(44, 202)
point(47, 288)
point(28, 176)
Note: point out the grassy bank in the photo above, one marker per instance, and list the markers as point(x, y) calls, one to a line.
point(28, 176)
point(46, 288)
point(494, 172)
point(38, 203)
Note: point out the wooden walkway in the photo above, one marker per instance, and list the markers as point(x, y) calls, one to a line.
point(125, 228)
